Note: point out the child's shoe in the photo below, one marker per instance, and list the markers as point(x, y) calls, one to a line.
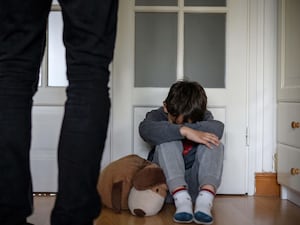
point(184, 207)
point(203, 205)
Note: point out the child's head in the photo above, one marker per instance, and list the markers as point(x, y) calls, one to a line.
point(186, 102)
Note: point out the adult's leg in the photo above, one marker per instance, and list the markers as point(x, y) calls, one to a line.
point(22, 41)
point(89, 38)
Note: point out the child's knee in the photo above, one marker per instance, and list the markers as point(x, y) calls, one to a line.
point(171, 146)
point(214, 151)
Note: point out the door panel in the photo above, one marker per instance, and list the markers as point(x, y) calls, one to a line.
point(289, 50)
point(46, 124)
point(226, 100)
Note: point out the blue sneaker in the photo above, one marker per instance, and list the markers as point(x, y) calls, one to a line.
point(183, 217)
point(202, 218)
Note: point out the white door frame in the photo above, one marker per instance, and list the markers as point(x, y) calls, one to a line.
point(262, 73)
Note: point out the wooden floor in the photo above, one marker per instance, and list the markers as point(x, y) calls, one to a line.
point(228, 210)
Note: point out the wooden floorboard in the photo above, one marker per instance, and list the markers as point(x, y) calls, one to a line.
point(228, 210)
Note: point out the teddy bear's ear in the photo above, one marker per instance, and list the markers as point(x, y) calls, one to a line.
point(148, 177)
point(116, 196)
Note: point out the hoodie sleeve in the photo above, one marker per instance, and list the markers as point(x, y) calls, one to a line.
point(208, 124)
point(156, 129)
point(212, 126)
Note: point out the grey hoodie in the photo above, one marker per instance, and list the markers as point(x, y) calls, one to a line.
point(155, 129)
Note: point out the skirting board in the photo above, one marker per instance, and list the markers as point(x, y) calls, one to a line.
point(266, 184)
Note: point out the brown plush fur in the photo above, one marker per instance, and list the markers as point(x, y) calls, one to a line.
point(149, 177)
point(116, 181)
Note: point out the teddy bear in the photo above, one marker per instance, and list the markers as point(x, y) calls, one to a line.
point(133, 183)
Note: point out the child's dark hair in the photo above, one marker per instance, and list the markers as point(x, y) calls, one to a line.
point(187, 98)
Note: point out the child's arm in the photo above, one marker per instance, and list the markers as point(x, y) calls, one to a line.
point(208, 124)
point(156, 129)
point(212, 126)
point(208, 131)
point(200, 137)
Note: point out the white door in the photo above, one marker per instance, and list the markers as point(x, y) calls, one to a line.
point(159, 42)
point(48, 109)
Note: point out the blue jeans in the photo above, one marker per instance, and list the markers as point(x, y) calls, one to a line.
point(89, 37)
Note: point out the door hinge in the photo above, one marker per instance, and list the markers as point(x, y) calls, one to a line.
point(247, 137)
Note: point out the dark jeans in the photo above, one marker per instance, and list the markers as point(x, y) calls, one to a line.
point(89, 38)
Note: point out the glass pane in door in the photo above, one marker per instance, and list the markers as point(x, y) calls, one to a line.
point(155, 49)
point(56, 52)
point(156, 2)
point(204, 48)
point(205, 2)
